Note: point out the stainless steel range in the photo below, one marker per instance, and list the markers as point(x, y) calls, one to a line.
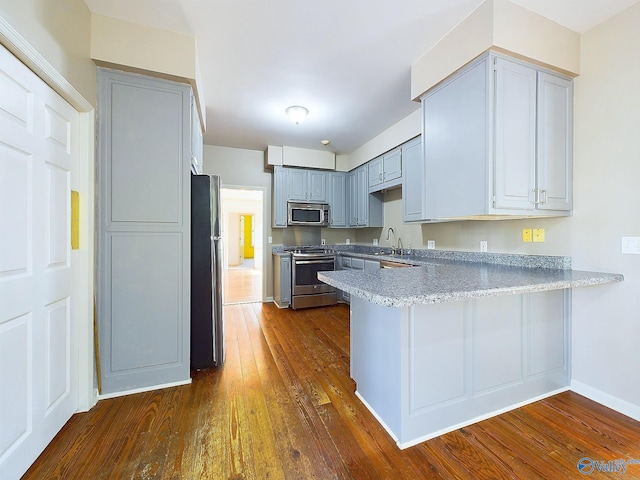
point(306, 289)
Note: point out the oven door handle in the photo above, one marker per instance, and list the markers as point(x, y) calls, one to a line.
point(312, 262)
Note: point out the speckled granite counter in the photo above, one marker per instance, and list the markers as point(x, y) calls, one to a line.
point(442, 278)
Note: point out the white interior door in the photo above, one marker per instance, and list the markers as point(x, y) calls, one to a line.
point(38, 303)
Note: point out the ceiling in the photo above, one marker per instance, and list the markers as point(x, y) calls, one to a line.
point(348, 62)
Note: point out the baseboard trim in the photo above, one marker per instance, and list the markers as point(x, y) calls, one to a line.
point(619, 405)
point(143, 389)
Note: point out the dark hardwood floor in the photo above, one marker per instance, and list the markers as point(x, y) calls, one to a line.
point(283, 407)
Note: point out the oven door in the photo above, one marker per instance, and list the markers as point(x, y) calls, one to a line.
point(304, 277)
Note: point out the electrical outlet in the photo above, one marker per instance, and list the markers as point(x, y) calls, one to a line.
point(347, 241)
point(431, 244)
point(483, 245)
point(538, 235)
point(269, 240)
point(375, 241)
point(527, 235)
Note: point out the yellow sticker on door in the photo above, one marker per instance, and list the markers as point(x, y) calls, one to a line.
point(75, 220)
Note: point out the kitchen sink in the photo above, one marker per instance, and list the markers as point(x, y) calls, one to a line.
point(390, 264)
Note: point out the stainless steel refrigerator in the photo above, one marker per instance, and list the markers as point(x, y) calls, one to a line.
point(207, 322)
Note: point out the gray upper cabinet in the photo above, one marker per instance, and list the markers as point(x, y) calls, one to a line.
point(385, 171)
point(307, 185)
point(143, 294)
point(337, 199)
point(279, 197)
point(412, 186)
point(197, 143)
point(554, 173)
point(365, 209)
point(497, 141)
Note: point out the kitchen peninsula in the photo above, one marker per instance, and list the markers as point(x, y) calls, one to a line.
point(460, 337)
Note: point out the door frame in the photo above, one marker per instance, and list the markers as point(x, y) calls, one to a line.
point(84, 283)
point(264, 228)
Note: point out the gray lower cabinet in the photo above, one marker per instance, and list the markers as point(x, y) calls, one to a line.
point(143, 293)
point(497, 141)
point(282, 280)
point(346, 262)
point(427, 369)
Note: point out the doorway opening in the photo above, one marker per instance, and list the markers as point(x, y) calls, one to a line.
point(242, 244)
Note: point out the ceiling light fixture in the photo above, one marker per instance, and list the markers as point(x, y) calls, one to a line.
point(296, 113)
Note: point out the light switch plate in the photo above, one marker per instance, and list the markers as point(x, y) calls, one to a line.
point(527, 235)
point(431, 244)
point(483, 245)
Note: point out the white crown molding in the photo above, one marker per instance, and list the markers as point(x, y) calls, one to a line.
point(18, 45)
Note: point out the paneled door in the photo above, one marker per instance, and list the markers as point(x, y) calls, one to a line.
point(38, 339)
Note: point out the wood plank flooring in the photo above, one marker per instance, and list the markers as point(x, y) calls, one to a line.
point(283, 407)
point(241, 285)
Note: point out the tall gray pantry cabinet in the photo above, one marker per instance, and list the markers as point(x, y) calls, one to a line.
point(145, 143)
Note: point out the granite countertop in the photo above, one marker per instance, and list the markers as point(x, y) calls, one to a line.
point(444, 277)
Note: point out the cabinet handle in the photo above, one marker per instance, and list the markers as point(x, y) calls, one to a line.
point(379, 176)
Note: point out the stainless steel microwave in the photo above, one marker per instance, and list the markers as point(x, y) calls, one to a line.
point(308, 214)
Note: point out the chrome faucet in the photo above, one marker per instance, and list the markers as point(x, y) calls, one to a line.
point(399, 246)
point(389, 232)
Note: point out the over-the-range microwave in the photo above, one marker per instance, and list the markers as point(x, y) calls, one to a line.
point(308, 214)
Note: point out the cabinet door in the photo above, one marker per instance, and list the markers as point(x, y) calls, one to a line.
point(376, 174)
point(285, 280)
point(280, 184)
point(357, 263)
point(371, 265)
point(352, 190)
point(413, 181)
point(392, 165)
point(455, 144)
point(515, 135)
point(144, 231)
point(317, 186)
point(554, 148)
point(298, 184)
point(337, 199)
point(362, 197)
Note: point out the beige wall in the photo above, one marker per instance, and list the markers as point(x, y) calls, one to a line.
point(502, 25)
point(404, 130)
point(61, 32)
point(239, 167)
point(245, 168)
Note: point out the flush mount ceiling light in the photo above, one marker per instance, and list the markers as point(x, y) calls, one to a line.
point(296, 113)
